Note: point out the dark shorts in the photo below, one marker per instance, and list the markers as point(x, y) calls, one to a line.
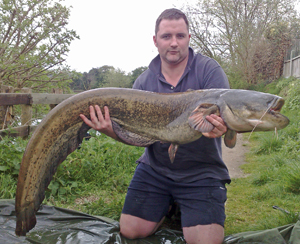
point(150, 194)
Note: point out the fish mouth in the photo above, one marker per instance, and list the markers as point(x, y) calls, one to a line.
point(276, 106)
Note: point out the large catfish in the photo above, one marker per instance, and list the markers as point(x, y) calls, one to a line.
point(139, 118)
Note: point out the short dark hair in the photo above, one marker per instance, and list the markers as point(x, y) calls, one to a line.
point(171, 14)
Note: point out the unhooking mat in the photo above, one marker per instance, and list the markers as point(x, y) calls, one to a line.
point(57, 225)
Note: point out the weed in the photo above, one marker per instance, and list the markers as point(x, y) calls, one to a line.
point(261, 178)
point(11, 152)
point(268, 144)
point(8, 186)
point(292, 178)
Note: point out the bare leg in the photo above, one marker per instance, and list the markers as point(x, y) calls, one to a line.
point(133, 227)
point(204, 234)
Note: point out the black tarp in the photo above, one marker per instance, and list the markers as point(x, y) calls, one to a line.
point(64, 226)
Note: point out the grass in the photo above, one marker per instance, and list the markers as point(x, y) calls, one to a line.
point(274, 180)
point(94, 179)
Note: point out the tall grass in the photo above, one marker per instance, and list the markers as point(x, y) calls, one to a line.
point(274, 178)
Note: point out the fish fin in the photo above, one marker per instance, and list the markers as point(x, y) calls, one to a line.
point(197, 118)
point(172, 151)
point(230, 138)
point(131, 138)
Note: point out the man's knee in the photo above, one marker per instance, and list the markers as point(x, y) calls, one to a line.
point(204, 234)
point(133, 227)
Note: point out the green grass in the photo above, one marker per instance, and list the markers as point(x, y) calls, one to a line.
point(274, 180)
point(95, 178)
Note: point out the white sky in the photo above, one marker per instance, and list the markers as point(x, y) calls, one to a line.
point(115, 32)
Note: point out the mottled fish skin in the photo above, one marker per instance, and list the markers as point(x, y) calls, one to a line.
point(139, 118)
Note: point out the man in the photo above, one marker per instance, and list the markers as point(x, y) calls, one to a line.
point(196, 180)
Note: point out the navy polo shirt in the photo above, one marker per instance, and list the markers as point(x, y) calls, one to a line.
point(202, 158)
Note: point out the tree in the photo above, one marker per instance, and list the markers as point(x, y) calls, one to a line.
point(136, 72)
point(102, 72)
point(34, 42)
point(116, 78)
point(231, 30)
point(105, 76)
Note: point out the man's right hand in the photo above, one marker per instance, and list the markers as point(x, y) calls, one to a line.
point(99, 122)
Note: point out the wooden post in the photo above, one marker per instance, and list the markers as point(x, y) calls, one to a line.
point(6, 113)
point(56, 91)
point(26, 114)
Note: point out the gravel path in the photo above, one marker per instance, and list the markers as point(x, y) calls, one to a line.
point(235, 157)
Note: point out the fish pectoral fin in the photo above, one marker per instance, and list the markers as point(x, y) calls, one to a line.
point(172, 151)
point(131, 138)
point(230, 138)
point(197, 118)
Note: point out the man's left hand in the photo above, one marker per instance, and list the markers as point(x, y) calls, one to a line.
point(220, 127)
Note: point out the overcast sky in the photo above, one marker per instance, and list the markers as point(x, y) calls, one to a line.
point(115, 32)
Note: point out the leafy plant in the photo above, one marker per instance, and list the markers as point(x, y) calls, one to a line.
point(293, 100)
point(11, 152)
point(100, 164)
point(7, 186)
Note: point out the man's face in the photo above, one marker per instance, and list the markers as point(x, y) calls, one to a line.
point(172, 41)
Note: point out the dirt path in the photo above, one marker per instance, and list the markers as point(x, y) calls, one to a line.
point(235, 157)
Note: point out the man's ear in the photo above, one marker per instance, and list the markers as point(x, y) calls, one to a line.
point(154, 40)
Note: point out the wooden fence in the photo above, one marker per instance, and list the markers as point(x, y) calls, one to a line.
point(292, 67)
point(7, 100)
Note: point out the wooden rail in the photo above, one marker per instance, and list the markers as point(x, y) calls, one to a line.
point(31, 98)
point(27, 99)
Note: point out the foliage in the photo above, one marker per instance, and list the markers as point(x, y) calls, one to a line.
point(34, 41)
point(136, 73)
point(8, 186)
point(293, 101)
point(105, 76)
point(98, 163)
point(11, 152)
point(116, 78)
point(251, 36)
point(92, 79)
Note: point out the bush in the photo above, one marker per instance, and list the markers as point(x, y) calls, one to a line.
point(11, 152)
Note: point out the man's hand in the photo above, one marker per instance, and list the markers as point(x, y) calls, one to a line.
point(220, 127)
point(99, 122)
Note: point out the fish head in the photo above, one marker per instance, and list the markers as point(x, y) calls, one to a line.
point(245, 111)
